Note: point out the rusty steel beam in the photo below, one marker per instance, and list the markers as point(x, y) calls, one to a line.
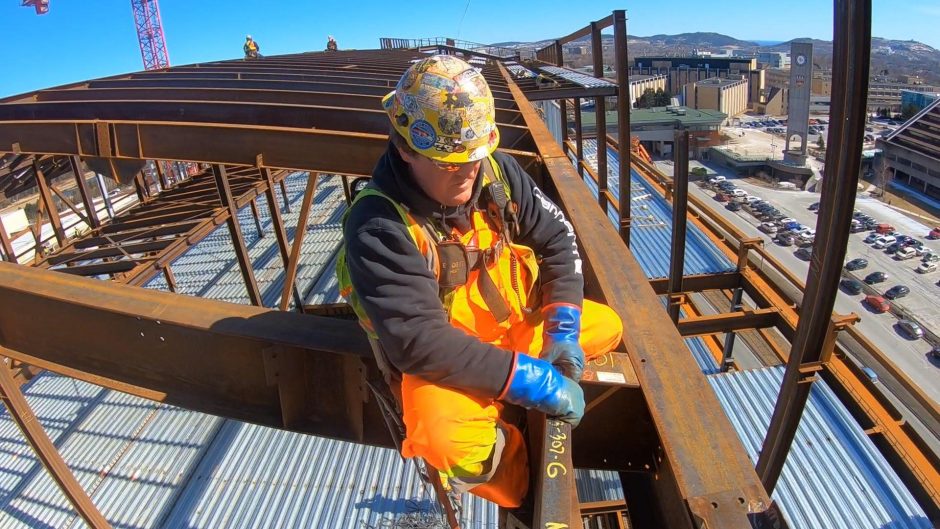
point(682, 405)
point(555, 482)
point(277, 225)
point(730, 322)
point(600, 118)
point(235, 232)
point(699, 282)
point(199, 354)
point(851, 58)
point(45, 450)
point(47, 201)
point(290, 273)
point(6, 244)
point(679, 212)
point(76, 163)
point(109, 267)
point(107, 251)
point(623, 120)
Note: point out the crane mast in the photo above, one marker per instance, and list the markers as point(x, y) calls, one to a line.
point(150, 34)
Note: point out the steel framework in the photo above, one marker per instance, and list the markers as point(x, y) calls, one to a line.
point(248, 124)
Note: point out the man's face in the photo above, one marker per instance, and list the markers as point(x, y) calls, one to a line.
point(448, 184)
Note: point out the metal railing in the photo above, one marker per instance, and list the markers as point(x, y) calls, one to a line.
point(388, 43)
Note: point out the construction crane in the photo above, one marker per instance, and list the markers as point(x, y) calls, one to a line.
point(149, 30)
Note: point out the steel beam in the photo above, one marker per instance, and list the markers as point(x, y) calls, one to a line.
point(682, 405)
point(46, 198)
point(47, 452)
point(699, 282)
point(90, 212)
point(734, 321)
point(235, 231)
point(851, 61)
point(623, 120)
point(6, 244)
point(291, 272)
point(277, 225)
point(680, 205)
point(600, 118)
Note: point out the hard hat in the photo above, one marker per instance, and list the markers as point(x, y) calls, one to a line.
point(444, 109)
point(248, 37)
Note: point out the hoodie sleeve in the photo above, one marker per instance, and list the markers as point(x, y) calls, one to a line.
point(544, 228)
point(400, 296)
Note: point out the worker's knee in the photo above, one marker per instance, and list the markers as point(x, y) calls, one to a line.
point(601, 329)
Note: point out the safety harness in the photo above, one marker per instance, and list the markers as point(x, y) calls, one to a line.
point(448, 258)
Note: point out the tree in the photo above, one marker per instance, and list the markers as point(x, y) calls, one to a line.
point(662, 98)
point(908, 111)
point(647, 100)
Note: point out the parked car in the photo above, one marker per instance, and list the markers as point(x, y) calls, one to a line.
point(753, 199)
point(814, 206)
point(738, 192)
point(872, 237)
point(934, 352)
point(856, 264)
point(785, 239)
point(884, 228)
point(877, 304)
point(885, 240)
point(804, 253)
point(926, 268)
point(892, 249)
point(721, 197)
point(910, 329)
point(905, 253)
point(876, 277)
point(930, 257)
point(768, 227)
point(871, 224)
point(787, 220)
point(851, 286)
point(934, 233)
point(856, 227)
point(870, 373)
point(733, 206)
point(897, 291)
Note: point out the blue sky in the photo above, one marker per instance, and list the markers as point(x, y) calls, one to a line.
point(85, 39)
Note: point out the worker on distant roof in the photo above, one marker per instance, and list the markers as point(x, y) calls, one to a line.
point(467, 279)
point(251, 48)
point(331, 44)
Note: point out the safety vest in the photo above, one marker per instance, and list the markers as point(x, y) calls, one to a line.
point(493, 294)
point(251, 45)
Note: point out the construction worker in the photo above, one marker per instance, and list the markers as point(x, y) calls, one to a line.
point(331, 44)
point(251, 48)
point(467, 279)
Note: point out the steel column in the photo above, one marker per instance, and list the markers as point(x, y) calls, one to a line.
point(50, 206)
point(562, 103)
point(90, 212)
point(170, 278)
point(728, 349)
point(104, 195)
point(291, 273)
point(680, 205)
point(578, 135)
point(600, 118)
point(257, 215)
point(851, 60)
point(6, 245)
point(284, 196)
point(623, 120)
point(143, 190)
point(277, 224)
point(555, 484)
point(47, 452)
point(234, 229)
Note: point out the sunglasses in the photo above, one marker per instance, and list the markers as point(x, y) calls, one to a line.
point(449, 166)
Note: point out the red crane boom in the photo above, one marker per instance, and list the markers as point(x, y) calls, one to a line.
point(150, 34)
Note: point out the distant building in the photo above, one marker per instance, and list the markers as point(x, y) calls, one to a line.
point(773, 59)
point(821, 85)
point(912, 153)
point(773, 101)
point(681, 71)
point(917, 101)
point(728, 96)
point(655, 127)
point(888, 94)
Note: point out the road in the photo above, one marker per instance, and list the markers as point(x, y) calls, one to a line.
point(910, 356)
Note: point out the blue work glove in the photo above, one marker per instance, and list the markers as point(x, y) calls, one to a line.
point(560, 346)
point(537, 384)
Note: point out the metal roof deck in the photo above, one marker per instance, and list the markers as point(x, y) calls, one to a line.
point(651, 227)
point(834, 477)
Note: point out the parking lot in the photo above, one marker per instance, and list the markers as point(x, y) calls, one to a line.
point(882, 328)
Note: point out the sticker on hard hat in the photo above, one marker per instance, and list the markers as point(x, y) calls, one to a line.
point(422, 135)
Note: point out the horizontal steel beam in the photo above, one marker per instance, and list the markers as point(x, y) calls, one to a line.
point(730, 322)
point(699, 282)
point(303, 150)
